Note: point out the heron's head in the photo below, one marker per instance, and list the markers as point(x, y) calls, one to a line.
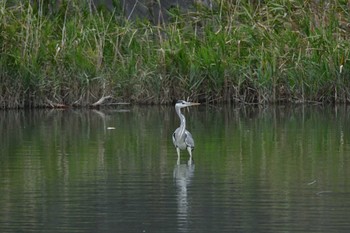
point(183, 104)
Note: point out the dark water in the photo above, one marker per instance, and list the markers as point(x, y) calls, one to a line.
point(276, 169)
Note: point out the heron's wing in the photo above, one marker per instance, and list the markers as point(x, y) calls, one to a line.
point(189, 139)
point(174, 136)
point(174, 139)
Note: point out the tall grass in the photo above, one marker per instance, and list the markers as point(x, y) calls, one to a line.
point(278, 51)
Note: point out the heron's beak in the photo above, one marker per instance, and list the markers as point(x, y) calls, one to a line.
point(194, 104)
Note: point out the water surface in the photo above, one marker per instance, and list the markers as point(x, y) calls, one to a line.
point(274, 169)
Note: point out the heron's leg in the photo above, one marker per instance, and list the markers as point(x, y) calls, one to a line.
point(189, 149)
point(178, 155)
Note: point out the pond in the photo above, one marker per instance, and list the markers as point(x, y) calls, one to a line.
point(256, 169)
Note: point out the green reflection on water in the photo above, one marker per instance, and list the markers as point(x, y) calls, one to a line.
point(274, 139)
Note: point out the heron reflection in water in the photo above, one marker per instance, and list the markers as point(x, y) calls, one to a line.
point(182, 138)
point(183, 175)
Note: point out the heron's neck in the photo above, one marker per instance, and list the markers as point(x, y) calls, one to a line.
point(182, 121)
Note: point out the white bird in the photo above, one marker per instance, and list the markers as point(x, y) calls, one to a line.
point(182, 138)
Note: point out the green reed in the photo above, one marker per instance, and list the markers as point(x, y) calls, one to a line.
point(280, 51)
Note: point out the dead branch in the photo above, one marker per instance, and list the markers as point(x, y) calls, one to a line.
point(101, 100)
point(55, 105)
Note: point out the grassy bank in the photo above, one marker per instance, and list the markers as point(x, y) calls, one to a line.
point(280, 51)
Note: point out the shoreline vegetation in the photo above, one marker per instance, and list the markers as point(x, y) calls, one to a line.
point(236, 52)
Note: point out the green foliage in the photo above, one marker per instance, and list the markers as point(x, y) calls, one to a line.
point(237, 51)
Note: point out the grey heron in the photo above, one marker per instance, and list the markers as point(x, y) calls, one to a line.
point(182, 138)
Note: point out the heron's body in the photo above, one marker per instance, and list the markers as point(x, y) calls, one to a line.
point(183, 141)
point(182, 138)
